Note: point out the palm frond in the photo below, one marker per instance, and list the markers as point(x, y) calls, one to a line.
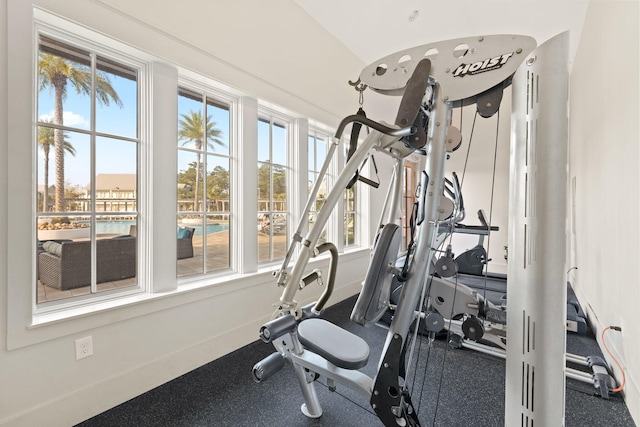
point(191, 128)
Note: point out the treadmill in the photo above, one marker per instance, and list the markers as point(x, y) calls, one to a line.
point(493, 286)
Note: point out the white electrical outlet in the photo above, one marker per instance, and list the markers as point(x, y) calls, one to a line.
point(84, 347)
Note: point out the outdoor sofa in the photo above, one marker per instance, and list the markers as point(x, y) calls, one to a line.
point(67, 265)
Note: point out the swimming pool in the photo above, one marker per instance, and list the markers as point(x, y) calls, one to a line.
point(122, 227)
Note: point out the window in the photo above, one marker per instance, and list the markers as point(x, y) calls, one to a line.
point(350, 216)
point(204, 186)
point(110, 240)
point(317, 153)
point(273, 214)
point(87, 170)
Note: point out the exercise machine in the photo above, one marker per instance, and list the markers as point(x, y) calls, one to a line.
point(470, 267)
point(472, 305)
point(432, 79)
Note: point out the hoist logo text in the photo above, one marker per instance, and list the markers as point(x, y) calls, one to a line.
point(482, 66)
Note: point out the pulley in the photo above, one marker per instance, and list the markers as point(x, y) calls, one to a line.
point(445, 208)
point(473, 328)
point(454, 139)
point(434, 322)
point(446, 267)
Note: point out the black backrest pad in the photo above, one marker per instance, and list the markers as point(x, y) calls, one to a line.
point(373, 300)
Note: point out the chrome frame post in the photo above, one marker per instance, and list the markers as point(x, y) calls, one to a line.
point(436, 153)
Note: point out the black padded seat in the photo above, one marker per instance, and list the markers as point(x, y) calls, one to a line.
point(338, 346)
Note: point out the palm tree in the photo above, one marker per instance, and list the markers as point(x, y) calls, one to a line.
point(192, 129)
point(46, 139)
point(56, 72)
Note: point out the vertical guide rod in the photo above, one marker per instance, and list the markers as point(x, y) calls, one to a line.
point(387, 400)
point(436, 153)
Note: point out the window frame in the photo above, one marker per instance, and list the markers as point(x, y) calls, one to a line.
point(111, 49)
point(270, 116)
point(209, 90)
point(317, 133)
point(360, 198)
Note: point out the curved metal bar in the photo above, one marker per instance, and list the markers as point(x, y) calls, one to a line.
point(374, 125)
point(333, 267)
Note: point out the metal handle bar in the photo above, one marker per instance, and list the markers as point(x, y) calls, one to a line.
point(333, 267)
point(410, 130)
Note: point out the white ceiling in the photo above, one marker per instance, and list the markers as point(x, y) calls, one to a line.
point(372, 29)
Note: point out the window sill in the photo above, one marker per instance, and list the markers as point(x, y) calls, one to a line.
point(61, 315)
point(146, 303)
point(51, 325)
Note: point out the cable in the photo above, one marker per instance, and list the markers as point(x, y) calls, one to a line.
point(347, 398)
point(493, 184)
point(415, 371)
point(464, 170)
point(624, 380)
point(414, 339)
point(446, 347)
point(424, 378)
point(455, 289)
point(435, 415)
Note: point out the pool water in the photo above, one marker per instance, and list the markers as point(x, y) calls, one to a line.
point(122, 227)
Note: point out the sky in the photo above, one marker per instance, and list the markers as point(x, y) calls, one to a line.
point(217, 115)
point(114, 155)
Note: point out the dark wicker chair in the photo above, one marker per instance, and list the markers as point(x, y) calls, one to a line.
point(116, 260)
point(185, 245)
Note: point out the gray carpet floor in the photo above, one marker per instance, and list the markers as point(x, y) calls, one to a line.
point(461, 388)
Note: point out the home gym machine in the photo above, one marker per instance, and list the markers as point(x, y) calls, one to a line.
point(432, 79)
point(472, 305)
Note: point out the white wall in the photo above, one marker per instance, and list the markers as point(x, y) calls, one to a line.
point(605, 174)
point(269, 50)
point(275, 51)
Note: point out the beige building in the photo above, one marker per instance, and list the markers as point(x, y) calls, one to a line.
point(115, 192)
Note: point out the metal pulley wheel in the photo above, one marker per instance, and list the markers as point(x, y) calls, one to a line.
point(446, 267)
point(473, 328)
point(453, 140)
point(434, 322)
